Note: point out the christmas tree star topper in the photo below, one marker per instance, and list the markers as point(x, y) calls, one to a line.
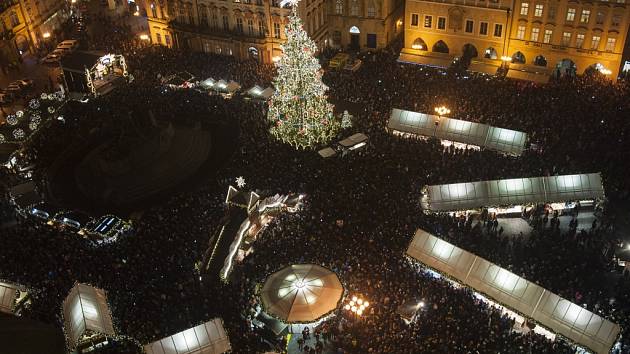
point(240, 182)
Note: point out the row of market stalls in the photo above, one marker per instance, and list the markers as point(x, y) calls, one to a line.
point(227, 88)
point(549, 310)
point(513, 193)
point(458, 132)
point(88, 325)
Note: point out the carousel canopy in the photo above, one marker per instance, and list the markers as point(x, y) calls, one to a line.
point(301, 293)
point(530, 299)
point(206, 338)
point(85, 310)
point(470, 133)
point(471, 195)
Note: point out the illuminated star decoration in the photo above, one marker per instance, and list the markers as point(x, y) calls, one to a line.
point(290, 2)
point(240, 182)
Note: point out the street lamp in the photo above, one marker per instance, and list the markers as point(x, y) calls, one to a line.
point(441, 111)
point(144, 37)
point(506, 60)
point(357, 306)
point(46, 35)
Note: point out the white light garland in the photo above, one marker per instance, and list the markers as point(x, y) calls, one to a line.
point(34, 103)
point(298, 109)
point(12, 119)
point(2, 139)
point(18, 133)
point(32, 126)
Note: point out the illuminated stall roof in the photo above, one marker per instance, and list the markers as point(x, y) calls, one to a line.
point(472, 195)
point(260, 93)
point(301, 293)
point(206, 338)
point(548, 309)
point(470, 133)
point(85, 310)
point(8, 295)
point(412, 122)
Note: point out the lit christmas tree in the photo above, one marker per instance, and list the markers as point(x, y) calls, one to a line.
point(301, 115)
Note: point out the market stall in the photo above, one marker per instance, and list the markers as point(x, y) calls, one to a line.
point(512, 192)
point(206, 338)
point(508, 289)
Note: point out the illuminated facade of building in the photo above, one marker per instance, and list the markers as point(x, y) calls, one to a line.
point(255, 28)
point(28, 24)
point(244, 29)
point(535, 37)
point(12, 31)
point(364, 24)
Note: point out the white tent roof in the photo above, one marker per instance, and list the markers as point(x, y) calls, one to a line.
point(209, 82)
point(327, 152)
point(530, 299)
point(85, 308)
point(461, 131)
point(353, 140)
point(471, 195)
point(206, 338)
point(258, 92)
point(8, 295)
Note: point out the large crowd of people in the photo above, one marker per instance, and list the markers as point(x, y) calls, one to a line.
point(154, 288)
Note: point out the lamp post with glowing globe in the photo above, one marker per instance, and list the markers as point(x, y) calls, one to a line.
point(441, 111)
point(357, 306)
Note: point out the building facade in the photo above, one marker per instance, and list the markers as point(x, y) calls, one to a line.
point(12, 34)
point(244, 28)
point(535, 38)
point(255, 28)
point(364, 24)
point(27, 25)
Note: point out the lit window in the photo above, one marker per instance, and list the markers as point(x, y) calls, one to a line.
point(428, 21)
point(595, 42)
point(610, 44)
point(534, 35)
point(261, 28)
point(547, 36)
point(524, 8)
point(579, 40)
point(538, 10)
point(570, 14)
point(276, 30)
point(520, 32)
point(339, 7)
point(586, 15)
